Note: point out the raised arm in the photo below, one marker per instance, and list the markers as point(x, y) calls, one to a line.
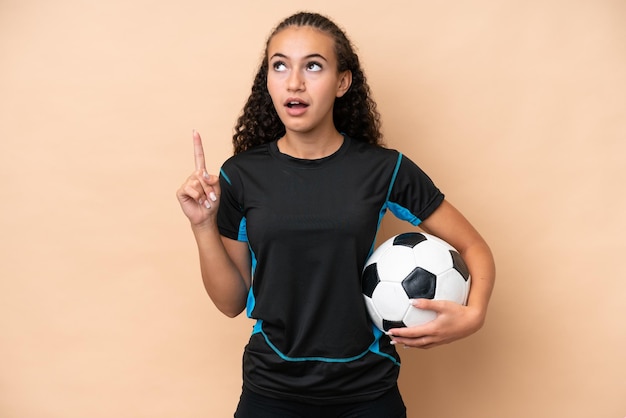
point(224, 263)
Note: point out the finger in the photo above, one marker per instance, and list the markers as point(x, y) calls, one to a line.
point(428, 304)
point(198, 151)
point(427, 342)
point(214, 182)
point(210, 184)
point(197, 189)
point(423, 342)
point(415, 331)
point(188, 191)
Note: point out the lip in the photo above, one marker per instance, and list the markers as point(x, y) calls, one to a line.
point(295, 100)
point(300, 108)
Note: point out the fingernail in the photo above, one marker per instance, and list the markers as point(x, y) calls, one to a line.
point(212, 196)
point(392, 342)
point(207, 204)
point(206, 175)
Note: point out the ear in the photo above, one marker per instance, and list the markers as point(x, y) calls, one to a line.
point(345, 81)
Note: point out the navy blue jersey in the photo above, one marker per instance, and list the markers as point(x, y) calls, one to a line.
point(310, 226)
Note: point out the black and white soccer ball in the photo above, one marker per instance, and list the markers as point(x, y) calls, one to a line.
point(413, 265)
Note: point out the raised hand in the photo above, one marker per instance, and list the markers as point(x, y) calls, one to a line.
point(199, 194)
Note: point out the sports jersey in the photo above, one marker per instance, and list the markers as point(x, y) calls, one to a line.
point(310, 226)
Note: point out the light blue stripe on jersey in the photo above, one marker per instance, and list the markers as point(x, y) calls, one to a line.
point(399, 211)
point(403, 213)
point(374, 348)
point(225, 177)
point(393, 177)
point(242, 235)
point(251, 301)
point(385, 206)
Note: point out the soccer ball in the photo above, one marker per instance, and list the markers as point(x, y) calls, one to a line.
point(413, 265)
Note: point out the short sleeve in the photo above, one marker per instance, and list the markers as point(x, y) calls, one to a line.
point(413, 195)
point(230, 216)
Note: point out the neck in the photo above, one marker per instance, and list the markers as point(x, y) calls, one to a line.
point(310, 147)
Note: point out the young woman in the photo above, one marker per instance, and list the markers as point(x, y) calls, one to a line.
point(285, 229)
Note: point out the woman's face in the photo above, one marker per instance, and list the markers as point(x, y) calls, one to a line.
point(303, 80)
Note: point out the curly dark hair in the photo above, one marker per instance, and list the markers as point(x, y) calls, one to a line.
point(354, 113)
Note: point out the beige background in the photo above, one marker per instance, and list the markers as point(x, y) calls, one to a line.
point(516, 108)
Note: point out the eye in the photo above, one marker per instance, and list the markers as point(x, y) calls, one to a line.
point(314, 66)
point(279, 66)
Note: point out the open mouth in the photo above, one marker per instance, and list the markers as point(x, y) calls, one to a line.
point(296, 105)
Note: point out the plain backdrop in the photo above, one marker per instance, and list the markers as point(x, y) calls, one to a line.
point(515, 108)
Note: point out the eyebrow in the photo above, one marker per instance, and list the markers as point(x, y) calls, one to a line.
point(314, 55)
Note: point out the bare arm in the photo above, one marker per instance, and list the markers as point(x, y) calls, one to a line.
point(224, 263)
point(454, 321)
point(225, 268)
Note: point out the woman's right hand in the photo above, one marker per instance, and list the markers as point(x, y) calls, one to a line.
point(199, 195)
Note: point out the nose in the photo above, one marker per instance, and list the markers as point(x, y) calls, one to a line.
point(295, 82)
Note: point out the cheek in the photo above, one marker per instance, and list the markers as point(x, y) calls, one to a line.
point(329, 92)
point(272, 89)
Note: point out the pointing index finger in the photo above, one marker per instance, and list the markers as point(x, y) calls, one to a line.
point(198, 151)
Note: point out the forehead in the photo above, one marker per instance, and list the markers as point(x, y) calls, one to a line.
point(301, 41)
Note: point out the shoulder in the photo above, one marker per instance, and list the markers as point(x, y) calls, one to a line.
point(365, 149)
point(249, 162)
point(257, 153)
point(403, 165)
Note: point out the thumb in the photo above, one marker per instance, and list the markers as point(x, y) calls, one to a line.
point(212, 180)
